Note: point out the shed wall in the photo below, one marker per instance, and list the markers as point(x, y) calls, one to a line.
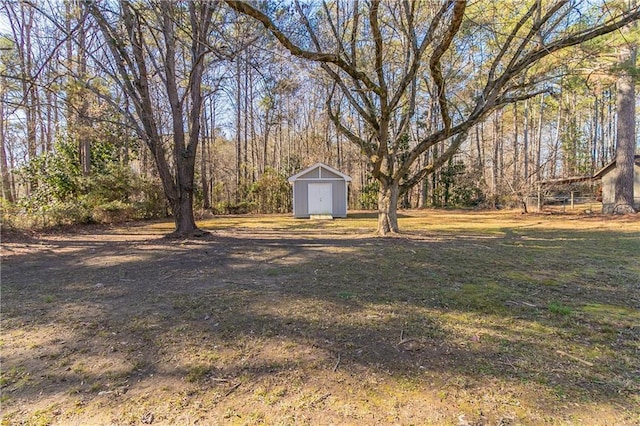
point(609, 190)
point(301, 196)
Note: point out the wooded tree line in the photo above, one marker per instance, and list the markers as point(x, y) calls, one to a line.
point(147, 108)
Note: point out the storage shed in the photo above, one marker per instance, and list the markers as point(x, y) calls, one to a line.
point(609, 185)
point(320, 191)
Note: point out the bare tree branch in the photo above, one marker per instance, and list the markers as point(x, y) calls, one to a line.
point(439, 51)
point(350, 69)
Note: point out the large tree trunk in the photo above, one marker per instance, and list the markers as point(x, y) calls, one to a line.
point(625, 148)
point(388, 207)
point(183, 212)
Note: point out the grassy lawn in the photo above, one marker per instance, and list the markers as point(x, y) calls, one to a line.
point(466, 318)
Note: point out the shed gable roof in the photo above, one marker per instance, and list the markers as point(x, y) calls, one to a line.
point(606, 169)
point(319, 166)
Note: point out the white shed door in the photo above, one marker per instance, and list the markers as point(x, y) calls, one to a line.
point(320, 200)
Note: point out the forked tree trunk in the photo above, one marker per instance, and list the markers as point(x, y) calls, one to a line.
point(178, 190)
point(177, 175)
point(388, 208)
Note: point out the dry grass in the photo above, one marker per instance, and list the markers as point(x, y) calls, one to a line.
point(467, 318)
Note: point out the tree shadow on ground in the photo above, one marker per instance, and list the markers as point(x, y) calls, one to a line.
point(83, 315)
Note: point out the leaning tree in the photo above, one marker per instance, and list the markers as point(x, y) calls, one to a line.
point(383, 56)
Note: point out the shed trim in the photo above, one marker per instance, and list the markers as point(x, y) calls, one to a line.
point(603, 171)
point(320, 178)
point(321, 166)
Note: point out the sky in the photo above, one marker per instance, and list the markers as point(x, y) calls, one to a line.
point(4, 24)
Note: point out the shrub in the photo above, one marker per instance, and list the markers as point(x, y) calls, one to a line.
point(243, 207)
point(456, 187)
point(114, 211)
point(74, 211)
point(369, 194)
point(59, 193)
point(271, 193)
point(7, 213)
